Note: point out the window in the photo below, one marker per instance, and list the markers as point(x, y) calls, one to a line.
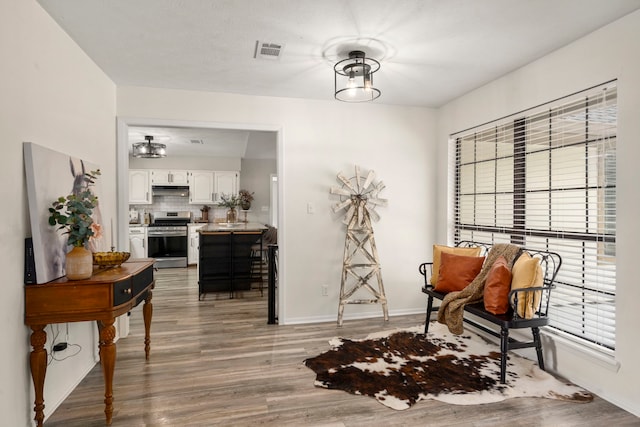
point(546, 179)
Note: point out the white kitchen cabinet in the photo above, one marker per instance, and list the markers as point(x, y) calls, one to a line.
point(194, 243)
point(138, 241)
point(201, 189)
point(169, 177)
point(139, 187)
point(206, 187)
point(225, 182)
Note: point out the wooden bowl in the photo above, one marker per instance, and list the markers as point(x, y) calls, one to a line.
point(110, 259)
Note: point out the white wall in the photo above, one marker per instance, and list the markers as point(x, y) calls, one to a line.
point(256, 178)
point(318, 140)
point(609, 53)
point(52, 95)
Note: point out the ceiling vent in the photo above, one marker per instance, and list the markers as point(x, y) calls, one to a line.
point(197, 141)
point(268, 50)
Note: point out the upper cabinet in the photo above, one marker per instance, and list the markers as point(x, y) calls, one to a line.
point(205, 187)
point(139, 187)
point(201, 190)
point(225, 182)
point(169, 177)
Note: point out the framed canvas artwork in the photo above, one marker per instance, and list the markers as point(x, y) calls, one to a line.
point(49, 175)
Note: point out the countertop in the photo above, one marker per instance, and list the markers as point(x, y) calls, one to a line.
point(238, 226)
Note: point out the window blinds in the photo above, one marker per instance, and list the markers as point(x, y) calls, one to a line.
point(545, 178)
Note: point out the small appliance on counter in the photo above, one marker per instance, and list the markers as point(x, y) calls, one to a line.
point(205, 214)
point(134, 217)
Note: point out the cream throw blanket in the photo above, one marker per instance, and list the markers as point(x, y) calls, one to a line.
point(451, 310)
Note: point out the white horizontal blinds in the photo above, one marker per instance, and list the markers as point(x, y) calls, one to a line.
point(545, 178)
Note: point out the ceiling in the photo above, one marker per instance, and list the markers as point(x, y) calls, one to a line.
point(431, 51)
point(208, 142)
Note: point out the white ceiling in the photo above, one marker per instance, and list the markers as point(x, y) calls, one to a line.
point(198, 142)
point(431, 51)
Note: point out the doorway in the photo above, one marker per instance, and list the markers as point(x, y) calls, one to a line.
point(122, 179)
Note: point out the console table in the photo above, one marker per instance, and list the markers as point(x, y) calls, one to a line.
point(106, 295)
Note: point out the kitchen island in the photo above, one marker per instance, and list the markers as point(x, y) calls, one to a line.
point(227, 255)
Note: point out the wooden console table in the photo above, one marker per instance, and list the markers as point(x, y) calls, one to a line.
point(108, 294)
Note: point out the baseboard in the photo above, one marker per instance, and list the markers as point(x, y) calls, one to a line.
point(347, 316)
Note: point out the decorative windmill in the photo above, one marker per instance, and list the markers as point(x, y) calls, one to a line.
point(359, 197)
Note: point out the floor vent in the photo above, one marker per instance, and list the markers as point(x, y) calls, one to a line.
point(268, 50)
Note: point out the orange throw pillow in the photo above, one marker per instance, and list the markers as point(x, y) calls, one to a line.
point(438, 250)
point(457, 271)
point(497, 286)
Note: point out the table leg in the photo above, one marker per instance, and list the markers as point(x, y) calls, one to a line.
point(38, 362)
point(147, 312)
point(108, 362)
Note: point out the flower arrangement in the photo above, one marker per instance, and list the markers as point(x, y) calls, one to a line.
point(73, 213)
point(246, 198)
point(230, 201)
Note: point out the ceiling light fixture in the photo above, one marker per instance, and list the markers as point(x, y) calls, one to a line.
point(149, 150)
point(354, 78)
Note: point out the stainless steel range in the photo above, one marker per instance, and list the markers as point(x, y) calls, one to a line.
point(167, 238)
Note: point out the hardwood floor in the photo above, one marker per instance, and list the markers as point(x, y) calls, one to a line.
point(217, 363)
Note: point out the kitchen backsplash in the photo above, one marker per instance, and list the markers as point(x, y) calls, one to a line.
point(177, 203)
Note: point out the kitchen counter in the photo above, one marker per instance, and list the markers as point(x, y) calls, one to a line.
point(237, 226)
point(229, 257)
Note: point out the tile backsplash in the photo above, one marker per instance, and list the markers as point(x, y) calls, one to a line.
point(177, 203)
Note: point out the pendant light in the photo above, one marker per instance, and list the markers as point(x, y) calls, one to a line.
point(354, 78)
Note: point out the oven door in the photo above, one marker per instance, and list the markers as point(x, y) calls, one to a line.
point(168, 247)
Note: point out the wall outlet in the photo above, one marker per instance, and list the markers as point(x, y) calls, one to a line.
point(325, 290)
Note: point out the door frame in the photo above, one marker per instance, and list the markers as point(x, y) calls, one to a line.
point(122, 179)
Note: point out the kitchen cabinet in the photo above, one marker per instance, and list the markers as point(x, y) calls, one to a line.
point(169, 177)
point(139, 187)
point(225, 182)
point(194, 243)
point(201, 189)
point(138, 241)
point(225, 258)
point(206, 187)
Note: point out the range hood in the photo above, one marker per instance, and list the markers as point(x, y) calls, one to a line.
point(170, 190)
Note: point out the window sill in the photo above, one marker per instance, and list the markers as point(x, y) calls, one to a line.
point(602, 357)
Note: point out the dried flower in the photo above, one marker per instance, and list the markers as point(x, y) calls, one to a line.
point(97, 231)
point(245, 196)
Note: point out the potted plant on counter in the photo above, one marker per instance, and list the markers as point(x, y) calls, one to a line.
point(246, 198)
point(231, 202)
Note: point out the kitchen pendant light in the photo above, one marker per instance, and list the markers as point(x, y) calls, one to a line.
point(354, 78)
point(148, 149)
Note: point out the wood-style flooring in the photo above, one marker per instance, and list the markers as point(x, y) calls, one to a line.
point(217, 363)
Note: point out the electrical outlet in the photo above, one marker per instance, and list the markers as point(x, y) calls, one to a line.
point(325, 290)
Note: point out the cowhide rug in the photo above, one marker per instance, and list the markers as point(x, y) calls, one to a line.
point(399, 368)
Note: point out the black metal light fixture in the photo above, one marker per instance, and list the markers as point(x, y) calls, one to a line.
point(354, 78)
point(148, 149)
